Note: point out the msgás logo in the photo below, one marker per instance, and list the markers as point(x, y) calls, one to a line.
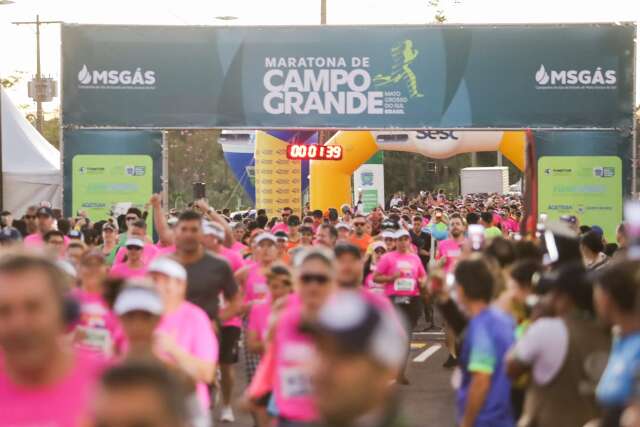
point(597, 78)
point(116, 79)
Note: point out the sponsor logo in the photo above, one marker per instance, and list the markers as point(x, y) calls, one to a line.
point(604, 172)
point(88, 170)
point(595, 78)
point(436, 134)
point(341, 85)
point(282, 171)
point(116, 79)
point(282, 181)
point(135, 170)
point(558, 171)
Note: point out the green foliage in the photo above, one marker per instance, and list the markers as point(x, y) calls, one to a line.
point(196, 156)
point(12, 80)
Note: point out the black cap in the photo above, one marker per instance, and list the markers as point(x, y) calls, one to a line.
point(347, 248)
point(44, 211)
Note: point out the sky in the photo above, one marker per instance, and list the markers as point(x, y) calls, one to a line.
point(17, 43)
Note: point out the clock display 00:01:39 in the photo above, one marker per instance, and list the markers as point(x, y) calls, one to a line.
point(314, 152)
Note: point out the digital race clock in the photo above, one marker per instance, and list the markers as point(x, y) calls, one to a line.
point(314, 152)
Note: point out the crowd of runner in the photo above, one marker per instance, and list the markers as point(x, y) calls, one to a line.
point(102, 325)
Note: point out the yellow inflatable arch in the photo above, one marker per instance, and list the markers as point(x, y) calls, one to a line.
point(330, 184)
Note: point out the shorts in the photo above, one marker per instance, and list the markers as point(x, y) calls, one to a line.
point(229, 338)
point(411, 311)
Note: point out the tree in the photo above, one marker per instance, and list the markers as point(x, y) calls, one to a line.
point(196, 156)
point(12, 79)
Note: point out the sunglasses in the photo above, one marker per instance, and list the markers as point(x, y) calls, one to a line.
point(134, 248)
point(358, 224)
point(29, 217)
point(132, 218)
point(380, 251)
point(320, 279)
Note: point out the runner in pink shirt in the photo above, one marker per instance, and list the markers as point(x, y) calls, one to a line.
point(378, 249)
point(252, 279)
point(404, 277)
point(449, 250)
point(43, 381)
point(97, 329)
point(293, 351)
point(134, 266)
point(185, 333)
point(45, 223)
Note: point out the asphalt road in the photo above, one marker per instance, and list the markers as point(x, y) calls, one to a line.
point(427, 402)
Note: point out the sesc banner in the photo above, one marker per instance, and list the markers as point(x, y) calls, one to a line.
point(541, 76)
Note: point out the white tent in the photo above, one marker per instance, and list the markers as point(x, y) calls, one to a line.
point(30, 164)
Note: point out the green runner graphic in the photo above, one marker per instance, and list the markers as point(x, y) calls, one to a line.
point(403, 55)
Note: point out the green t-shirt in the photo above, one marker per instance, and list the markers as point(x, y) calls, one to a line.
point(491, 232)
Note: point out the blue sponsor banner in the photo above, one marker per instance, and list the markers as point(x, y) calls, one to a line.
point(412, 77)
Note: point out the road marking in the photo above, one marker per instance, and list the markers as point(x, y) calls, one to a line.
point(428, 333)
point(418, 345)
point(427, 353)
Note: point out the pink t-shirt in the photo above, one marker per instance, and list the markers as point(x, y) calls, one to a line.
point(238, 247)
point(281, 226)
point(256, 289)
point(259, 319)
point(35, 240)
point(235, 260)
point(149, 252)
point(450, 249)
point(376, 288)
point(411, 269)
point(123, 271)
point(165, 250)
point(63, 404)
point(510, 225)
point(103, 333)
point(190, 326)
point(294, 354)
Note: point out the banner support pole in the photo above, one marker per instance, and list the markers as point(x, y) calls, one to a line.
point(165, 170)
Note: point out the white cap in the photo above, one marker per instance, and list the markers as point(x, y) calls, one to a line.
point(265, 236)
point(402, 233)
point(138, 298)
point(343, 225)
point(388, 234)
point(213, 229)
point(134, 241)
point(172, 220)
point(168, 267)
point(378, 245)
point(67, 267)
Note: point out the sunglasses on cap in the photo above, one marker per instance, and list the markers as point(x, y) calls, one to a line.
point(320, 279)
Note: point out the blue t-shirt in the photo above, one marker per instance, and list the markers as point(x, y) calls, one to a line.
point(616, 386)
point(488, 338)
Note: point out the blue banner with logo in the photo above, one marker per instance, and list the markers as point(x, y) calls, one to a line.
point(542, 76)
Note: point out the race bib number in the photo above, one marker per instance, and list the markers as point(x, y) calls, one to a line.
point(404, 285)
point(97, 338)
point(295, 382)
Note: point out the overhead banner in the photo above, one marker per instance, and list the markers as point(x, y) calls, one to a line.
point(108, 171)
point(541, 76)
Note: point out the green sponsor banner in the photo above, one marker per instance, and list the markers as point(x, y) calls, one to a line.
point(102, 183)
point(541, 76)
point(589, 187)
point(109, 171)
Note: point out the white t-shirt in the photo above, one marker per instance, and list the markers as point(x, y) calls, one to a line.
point(544, 347)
